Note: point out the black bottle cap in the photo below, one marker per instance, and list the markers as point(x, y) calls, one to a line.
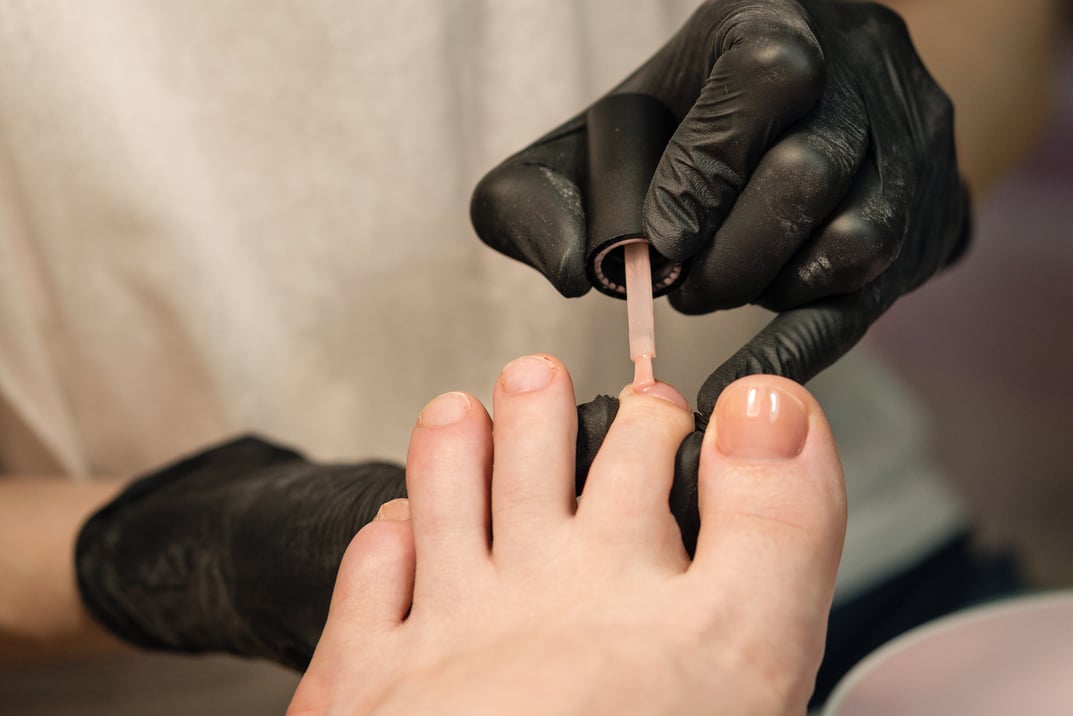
point(627, 134)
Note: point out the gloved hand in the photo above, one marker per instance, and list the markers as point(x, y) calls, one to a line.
point(813, 172)
point(233, 550)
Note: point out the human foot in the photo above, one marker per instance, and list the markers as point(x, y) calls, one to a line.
point(590, 606)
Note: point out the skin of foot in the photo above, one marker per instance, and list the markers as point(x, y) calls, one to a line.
point(495, 591)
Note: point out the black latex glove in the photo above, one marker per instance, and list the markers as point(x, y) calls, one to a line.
point(813, 173)
point(232, 550)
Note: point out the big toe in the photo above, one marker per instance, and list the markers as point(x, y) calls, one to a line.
point(772, 507)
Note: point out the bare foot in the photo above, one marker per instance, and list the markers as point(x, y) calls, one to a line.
point(590, 606)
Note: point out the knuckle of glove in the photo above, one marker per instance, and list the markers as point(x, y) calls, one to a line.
point(792, 64)
point(803, 165)
point(850, 253)
point(857, 248)
point(796, 59)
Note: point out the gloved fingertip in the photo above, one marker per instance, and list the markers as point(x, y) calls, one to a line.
point(684, 502)
point(594, 419)
point(534, 214)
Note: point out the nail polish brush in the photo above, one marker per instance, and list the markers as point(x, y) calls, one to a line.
point(640, 313)
point(627, 134)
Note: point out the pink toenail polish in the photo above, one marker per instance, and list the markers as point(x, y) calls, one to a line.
point(526, 374)
point(444, 410)
point(760, 422)
point(662, 391)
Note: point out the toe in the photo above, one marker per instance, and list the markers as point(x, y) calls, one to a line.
point(629, 484)
point(448, 470)
point(773, 513)
point(535, 445)
point(374, 586)
point(373, 592)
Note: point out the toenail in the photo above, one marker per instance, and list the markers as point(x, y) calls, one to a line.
point(444, 410)
point(758, 422)
point(394, 510)
point(528, 373)
point(663, 392)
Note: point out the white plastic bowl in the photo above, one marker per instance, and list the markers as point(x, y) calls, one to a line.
point(1012, 657)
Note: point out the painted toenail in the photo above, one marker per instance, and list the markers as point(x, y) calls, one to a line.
point(528, 373)
point(444, 410)
point(759, 422)
point(663, 392)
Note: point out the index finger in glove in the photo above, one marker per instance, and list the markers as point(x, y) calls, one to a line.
point(798, 345)
point(766, 72)
point(530, 208)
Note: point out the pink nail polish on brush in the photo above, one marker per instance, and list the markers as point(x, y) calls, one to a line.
point(640, 313)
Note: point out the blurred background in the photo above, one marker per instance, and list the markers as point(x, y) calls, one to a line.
point(989, 349)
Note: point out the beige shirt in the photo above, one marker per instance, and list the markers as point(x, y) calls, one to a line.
point(233, 216)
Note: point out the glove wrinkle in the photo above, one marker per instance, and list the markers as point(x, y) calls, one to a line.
point(232, 550)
